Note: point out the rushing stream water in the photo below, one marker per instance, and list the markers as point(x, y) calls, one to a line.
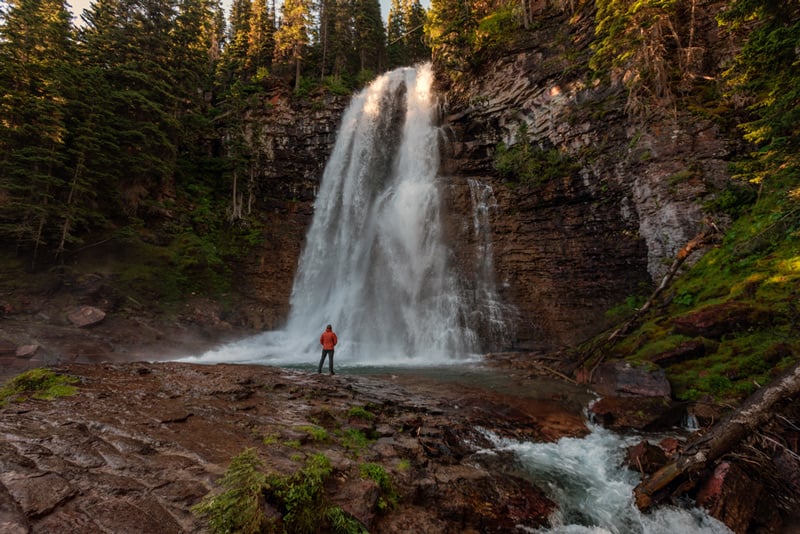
point(375, 266)
point(594, 491)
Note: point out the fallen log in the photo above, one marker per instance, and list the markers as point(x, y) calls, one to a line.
point(698, 241)
point(726, 434)
point(704, 238)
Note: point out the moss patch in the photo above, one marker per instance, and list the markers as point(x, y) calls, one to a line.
point(37, 383)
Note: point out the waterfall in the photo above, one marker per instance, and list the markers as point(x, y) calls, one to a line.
point(375, 264)
point(488, 312)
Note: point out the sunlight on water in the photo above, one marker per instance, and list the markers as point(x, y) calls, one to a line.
point(594, 492)
point(375, 264)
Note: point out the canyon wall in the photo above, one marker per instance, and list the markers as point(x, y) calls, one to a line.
point(291, 140)
point(567, 248)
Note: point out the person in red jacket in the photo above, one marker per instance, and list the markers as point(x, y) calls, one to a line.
point(328, 340)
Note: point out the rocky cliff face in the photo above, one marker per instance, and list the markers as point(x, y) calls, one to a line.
point(291, 142)
point(568, 248)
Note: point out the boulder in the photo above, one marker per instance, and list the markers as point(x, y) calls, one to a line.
point(645, 457)
point(688, 350)
point(731, 496)
point(26, 351)
point(620, 379)
point(643, 413)
point(86, 316)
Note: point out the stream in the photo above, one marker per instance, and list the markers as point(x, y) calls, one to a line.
point(376, 265)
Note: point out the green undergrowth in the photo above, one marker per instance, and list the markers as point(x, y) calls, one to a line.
point(527, 163)
point(37, 384)
point(755, 271)
point(253, 499)
point(301, 499)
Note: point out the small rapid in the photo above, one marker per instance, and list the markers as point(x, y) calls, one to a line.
point(593, 490)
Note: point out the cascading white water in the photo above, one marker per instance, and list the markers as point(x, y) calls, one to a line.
point(486, 308)
point(375, 265)
point(594, 492)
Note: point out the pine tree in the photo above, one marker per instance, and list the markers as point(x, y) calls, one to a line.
point(766, 73)
point(397, 54)
point(261, 38)
point(370, 36)
point(292, 36)
point(129, 41)
point(234, 61)
point(449, 27)
point(35, 61)
point(414, 39)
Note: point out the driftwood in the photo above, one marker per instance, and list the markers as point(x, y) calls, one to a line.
point(725, 435)
point(703, 238)
point(683, 254)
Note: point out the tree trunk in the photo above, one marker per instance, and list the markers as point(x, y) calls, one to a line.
point(703, 451)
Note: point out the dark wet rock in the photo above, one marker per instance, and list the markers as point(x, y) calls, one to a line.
point(26, 351)
point(730, 495)
point(7, 348)
point(645, 457)
point(688, 350)
point(620, 379)
point(625, 413)
point(706, 413)
point(141, 443)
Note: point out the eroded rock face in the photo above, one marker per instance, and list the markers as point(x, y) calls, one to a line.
point(291, 142)
point(139, 444)
point(569, 247)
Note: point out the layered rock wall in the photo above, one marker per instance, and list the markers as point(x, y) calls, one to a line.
point(290, 142)
point(568, 248)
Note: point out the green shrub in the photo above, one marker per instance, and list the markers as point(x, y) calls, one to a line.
point(496, 29)
point(526, 163)
point(355, 440)
point(317, 433)
point(37, 383)
point(378, 474)
point(343, 523)
point(336, 85)
point(361, 412)
point(303, 495)
point(239, 507)
point(299, 497)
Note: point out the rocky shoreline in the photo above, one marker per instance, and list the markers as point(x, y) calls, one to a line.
point(144, 440)
point(141, 443)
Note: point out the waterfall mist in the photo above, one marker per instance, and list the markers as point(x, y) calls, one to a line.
point(375, 264)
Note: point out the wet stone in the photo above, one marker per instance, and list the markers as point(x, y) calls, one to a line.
point(38, 495)
point(125, 455)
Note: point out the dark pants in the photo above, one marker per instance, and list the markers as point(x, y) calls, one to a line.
point(329, 354)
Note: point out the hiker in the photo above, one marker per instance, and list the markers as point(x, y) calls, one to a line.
point(328, 340)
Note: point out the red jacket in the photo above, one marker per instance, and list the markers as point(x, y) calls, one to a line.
point(328, 340)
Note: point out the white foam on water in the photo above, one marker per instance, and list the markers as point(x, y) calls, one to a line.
point(594, 491)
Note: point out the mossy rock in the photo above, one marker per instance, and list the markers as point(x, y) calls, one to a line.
point(717, 320)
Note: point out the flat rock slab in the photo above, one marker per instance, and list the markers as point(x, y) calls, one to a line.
point(141, 443)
